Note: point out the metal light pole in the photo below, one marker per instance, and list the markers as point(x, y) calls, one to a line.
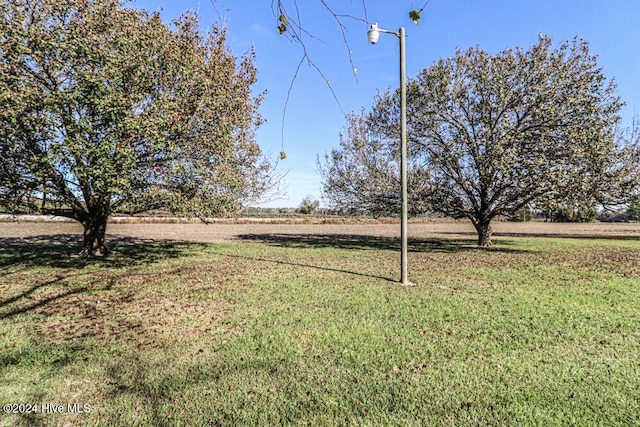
point(373, 35)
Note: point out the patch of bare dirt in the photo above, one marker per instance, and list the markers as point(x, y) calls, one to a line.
point(63, 233)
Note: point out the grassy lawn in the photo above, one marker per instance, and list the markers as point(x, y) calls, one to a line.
point(313, 331)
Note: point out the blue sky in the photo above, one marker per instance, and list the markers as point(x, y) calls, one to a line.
point(314, 118)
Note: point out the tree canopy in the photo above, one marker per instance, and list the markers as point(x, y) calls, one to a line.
point(362, 176)
point(493, 133)
point(308, 206)
point(105, 107)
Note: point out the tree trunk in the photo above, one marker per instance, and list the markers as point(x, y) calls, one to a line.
point(483, 227)
point(95, 227)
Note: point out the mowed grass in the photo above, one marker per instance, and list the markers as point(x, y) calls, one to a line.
point(313, 331)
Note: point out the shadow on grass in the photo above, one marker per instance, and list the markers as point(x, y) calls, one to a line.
point(60, 251)
point(359, 242)
point(541, 235)
point(41, 302)
point(315, 267)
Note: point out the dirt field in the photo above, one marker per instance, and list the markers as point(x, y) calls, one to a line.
point(38, 232)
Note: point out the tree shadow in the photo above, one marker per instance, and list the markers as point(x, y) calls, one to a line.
point(41, 302)
point(360, 242)
point(61, 251)
point(547, 235)
point(315, 267)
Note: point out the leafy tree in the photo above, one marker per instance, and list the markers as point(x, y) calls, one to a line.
point(504, 130)
point(498, 132)
point(522, 215)
point(633, 209)
point(308, 206)
point(363, 175)
point(630, 189)
point(104, 107)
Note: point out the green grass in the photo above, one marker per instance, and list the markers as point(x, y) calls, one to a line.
point(313, 331)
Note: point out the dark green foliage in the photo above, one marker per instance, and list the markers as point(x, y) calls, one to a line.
point(105, 107)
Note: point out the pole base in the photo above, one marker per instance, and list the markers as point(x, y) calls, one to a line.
point(406, 283)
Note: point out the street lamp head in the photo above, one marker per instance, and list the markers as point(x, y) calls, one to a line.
point(373, 34)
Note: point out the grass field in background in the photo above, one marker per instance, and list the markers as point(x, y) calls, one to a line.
point(314, 331)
